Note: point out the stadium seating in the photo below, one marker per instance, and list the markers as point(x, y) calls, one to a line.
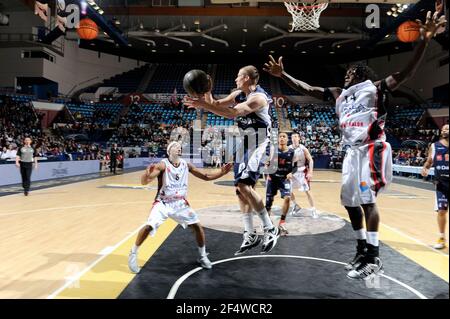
point(168, 77)
point(126, 82)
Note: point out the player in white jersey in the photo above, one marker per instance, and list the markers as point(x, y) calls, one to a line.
point(171, 202)
point(367, 165)
point(302, 178)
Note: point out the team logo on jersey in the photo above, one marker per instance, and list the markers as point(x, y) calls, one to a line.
point(351, 109)
point(363, 187)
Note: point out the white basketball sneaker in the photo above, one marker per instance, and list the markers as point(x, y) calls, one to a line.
point(205, 262)
point(133, 264)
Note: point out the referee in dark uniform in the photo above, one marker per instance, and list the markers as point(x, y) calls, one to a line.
point(114, 154)
point(26, 155)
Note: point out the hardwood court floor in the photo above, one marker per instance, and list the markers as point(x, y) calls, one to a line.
point(55, 233)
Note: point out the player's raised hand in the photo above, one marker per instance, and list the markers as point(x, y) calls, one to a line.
point(433, 24)
point(273, 67)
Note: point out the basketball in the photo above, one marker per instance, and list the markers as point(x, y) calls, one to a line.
point(196, 82)
point(408, 31)
point(87, 30)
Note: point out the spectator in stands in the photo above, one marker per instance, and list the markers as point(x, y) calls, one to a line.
point(9, 153)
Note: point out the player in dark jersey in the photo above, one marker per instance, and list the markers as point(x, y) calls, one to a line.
point(249, 105)
point(367, 164)
point(281, 179)
point(438, 158)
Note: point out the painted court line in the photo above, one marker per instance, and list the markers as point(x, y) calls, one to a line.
point(414, 239)
point(70, 207)
point(108, 276)
point(173, 291)
point(77, 276)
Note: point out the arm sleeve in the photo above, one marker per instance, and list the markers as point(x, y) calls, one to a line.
point(19, 152)
point(327, 95)
point(384, 87)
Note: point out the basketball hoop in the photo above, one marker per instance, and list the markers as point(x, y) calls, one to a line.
point(305, 16)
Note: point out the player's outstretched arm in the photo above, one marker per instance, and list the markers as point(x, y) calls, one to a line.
point(209, 176)
point(253, 104)
point(152, 172)
point(427, 32)
point(225, 102)
point(276, 68)
point(426, 167)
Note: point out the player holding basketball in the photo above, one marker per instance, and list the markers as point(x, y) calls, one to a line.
point(281, 179)
point(367, 166)
point(302, 178)
point(249, 105)
point(170, 202)
point(438, 158)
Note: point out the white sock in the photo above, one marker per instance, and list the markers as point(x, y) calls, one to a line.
point(264, 216)
point(442, 235)
point(202, 251)
point(360, 234)
point(372, 238)
point(134, 249)
point(248, 222)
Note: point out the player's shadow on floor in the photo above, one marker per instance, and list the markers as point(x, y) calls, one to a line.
point(53, 259)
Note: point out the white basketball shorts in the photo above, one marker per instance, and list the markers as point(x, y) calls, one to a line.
point(366, 170)
point(178, 210)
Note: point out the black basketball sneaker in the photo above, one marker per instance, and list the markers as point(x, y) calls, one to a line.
point(250, 241)
point(368, 268)
point(270, 239)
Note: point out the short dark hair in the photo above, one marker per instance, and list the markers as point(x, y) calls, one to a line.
point(363, 71)
point(295, 133)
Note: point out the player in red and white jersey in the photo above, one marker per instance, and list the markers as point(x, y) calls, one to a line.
point(172, 174)
point(367, 165)
point(302, 178)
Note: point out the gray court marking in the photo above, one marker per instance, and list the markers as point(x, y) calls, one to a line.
point(173, 291)
point(228, 218)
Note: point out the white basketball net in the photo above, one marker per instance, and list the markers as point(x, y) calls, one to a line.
point(305, 16)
